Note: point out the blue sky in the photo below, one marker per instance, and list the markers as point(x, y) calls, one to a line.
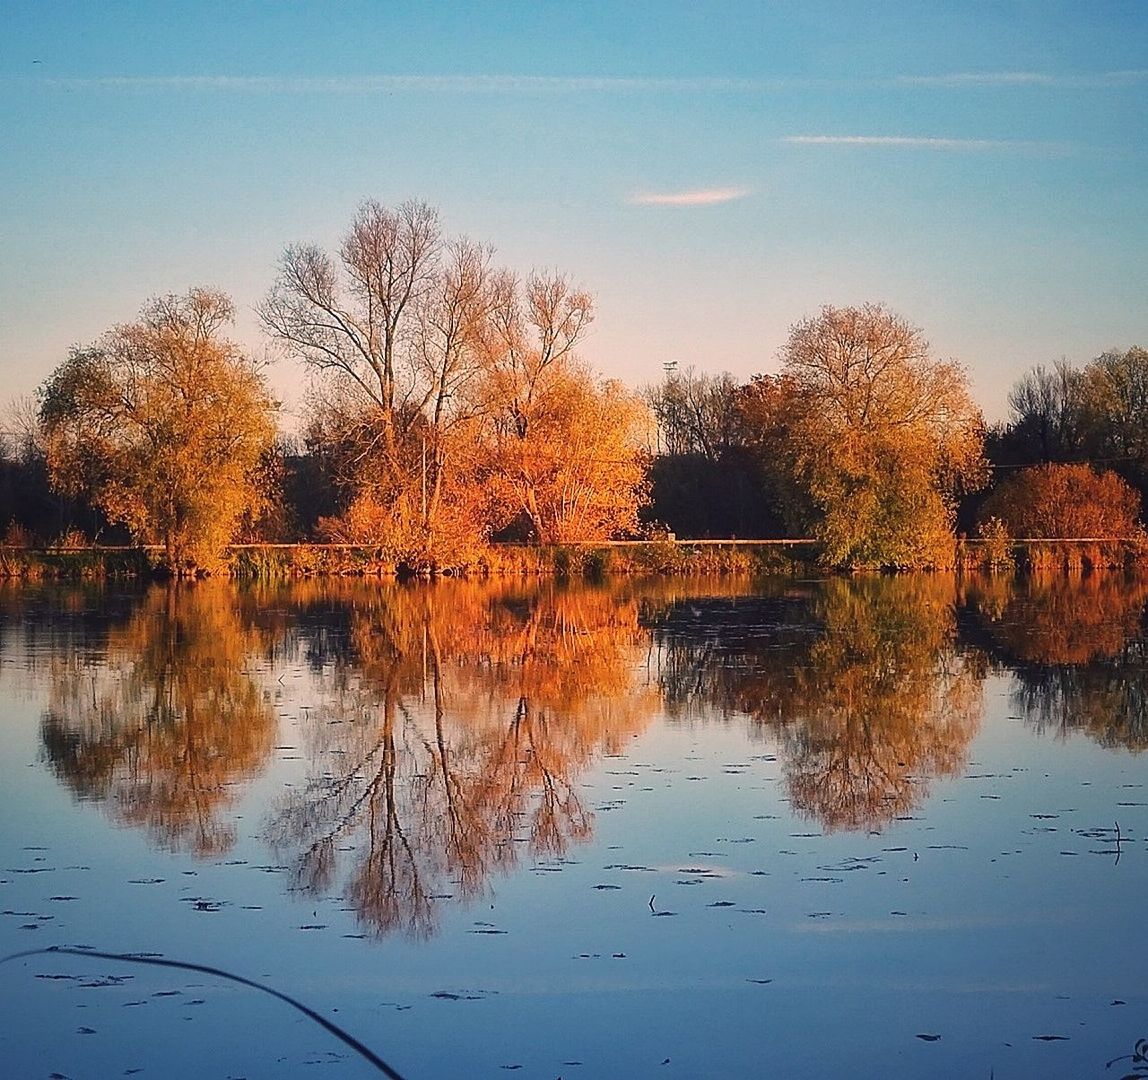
point(713, 173)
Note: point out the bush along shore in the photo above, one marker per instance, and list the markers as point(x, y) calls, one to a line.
point(684, 558)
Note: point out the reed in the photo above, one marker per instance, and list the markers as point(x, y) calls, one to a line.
point(676, 558)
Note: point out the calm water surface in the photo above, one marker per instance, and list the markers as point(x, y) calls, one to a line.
point(876, 827)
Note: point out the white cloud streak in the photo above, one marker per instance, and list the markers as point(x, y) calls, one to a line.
point(700, 197)
point(1095, 81)
point(385, 84)
point(524, 84)
point(909, 142)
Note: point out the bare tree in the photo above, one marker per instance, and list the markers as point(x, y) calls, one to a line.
point(350, 318)
point(697, 413)
point(1047, 410)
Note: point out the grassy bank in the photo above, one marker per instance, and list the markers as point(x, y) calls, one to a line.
point(267, 562)
point(1053, 556)
point(680, 558)
point(73, 564)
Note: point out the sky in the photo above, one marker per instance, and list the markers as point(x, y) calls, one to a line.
point(713, 173)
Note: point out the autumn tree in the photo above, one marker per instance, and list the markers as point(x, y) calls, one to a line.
point(440, 377)
point(577, 470)
point(409, 471)
point(1065, 501)
point(1114, 395)
point(163, 423)
point(880, 437)
point(565, 450)
point(354, 320)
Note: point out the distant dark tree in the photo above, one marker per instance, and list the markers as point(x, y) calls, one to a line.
point(705, 479)
point(697, 414)
point(1047, 416)
point(30, 511)
point(1096, 414)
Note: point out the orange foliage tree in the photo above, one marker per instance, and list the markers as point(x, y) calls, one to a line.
point(577, 468)
point(1065, 501)
point(450, 398)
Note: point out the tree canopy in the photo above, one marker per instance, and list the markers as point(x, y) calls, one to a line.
point(163, 423)
point(450, 394)
point(1066, 501)
point(870, 437)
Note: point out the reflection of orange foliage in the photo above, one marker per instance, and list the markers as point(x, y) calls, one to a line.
point(869, 695)
point(1076, 646)
point(1062, 619)
point(456, 726)
point(162, 724)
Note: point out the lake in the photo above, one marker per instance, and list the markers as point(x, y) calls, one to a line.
point(866, 827)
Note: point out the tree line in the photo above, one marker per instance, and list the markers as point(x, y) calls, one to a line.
point(449, 405)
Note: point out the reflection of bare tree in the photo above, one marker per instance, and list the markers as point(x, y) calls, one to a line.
point(456, 725)
point(1075, 644)
point(162, 720)
point(863, 683)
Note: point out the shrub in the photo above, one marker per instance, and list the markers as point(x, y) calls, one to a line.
point(1065, 502)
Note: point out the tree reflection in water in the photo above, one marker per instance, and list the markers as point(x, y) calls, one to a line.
point(1076, 646)
point(163, 721)
point(456, 724)
point(860, 680)
point(451, 725)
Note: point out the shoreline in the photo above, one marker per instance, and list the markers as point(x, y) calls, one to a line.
point(618, 558)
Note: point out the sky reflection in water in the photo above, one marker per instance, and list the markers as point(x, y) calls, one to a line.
point(878, 826)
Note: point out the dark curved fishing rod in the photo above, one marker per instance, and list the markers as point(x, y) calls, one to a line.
point(127, 958)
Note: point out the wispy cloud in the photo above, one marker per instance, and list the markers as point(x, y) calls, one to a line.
point(699, 197)
point(494, 84)
point(524, 84)
point(911, 142)
point(1098, 80)
point(376, 84)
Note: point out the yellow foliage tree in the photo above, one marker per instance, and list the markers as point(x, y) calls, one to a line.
point(164, 424)
point(878, 437)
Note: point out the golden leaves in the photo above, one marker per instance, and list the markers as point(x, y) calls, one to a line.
point(164, 424)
